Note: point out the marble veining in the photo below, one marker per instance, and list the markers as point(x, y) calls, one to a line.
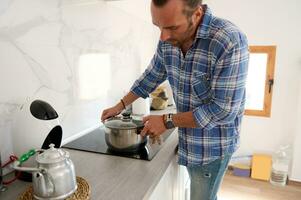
point(42, 43)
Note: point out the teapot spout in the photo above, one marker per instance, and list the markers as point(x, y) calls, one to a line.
point(42, 184)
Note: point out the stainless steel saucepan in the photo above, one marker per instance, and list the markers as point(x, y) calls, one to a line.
point(122, 134)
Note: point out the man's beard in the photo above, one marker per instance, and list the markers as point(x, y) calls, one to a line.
point(174, 43)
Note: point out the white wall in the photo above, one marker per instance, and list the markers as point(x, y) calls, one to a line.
point(41, 43)
point(270, 22)
point(296, 162)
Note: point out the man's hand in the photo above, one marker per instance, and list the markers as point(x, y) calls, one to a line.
point(116, 110)
point(154, 127)
point(111, 112)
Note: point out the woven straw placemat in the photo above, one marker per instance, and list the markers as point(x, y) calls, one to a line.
point(83, 191)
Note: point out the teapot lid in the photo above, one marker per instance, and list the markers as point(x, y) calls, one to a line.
point(52, 155)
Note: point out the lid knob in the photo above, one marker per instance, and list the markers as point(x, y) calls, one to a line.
point(126, 115)
point(51, 146)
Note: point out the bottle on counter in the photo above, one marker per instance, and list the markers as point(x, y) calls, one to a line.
point(280, 166)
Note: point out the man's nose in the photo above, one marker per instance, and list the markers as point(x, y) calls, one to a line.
point(165, 35)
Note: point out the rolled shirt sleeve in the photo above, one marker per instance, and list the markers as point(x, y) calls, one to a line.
point(227, 88)
point(153, 76)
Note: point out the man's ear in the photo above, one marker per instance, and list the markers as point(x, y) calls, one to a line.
point(198, 13)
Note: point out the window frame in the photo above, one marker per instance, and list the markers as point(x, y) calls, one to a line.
point(269, 80)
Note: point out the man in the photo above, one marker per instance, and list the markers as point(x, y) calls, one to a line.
point(205, 60)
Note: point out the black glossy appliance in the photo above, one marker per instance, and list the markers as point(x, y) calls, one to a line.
point(95, 142)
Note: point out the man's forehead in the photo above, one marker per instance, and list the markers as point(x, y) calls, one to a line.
point(169, 14)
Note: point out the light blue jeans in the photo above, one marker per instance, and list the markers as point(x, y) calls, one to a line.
point(206, 179)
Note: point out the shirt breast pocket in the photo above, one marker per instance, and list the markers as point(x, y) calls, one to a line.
point(201, 88)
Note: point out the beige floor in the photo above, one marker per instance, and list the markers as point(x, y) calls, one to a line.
point(239, 188)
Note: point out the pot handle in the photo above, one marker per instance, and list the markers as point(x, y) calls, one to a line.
point(139, 129)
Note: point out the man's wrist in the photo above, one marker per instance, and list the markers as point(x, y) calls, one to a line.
point(123, 104)
point(168, 121)
point(120, 106)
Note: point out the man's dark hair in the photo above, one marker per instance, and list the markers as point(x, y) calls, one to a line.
point(191, 5)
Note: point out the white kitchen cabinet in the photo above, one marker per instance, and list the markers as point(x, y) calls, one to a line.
point(164, 189)
point(182, 190)
point(174, 184)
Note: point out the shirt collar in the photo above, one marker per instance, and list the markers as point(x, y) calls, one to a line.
point(204, 27)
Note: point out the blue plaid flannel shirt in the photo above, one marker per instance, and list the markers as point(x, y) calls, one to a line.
point(210, 82)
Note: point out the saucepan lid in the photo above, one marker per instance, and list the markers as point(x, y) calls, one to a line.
point(123, 122)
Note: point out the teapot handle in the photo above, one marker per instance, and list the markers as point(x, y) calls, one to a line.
point(16, 166)
point(23, 158)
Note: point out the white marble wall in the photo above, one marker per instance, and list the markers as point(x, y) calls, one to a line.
point(41, 44)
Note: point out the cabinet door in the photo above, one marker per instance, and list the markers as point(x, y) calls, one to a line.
point(165, 188)
point(187, 189)
point(174, 184)
point(183, 184)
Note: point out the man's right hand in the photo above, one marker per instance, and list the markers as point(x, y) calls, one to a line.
point(116, 110)
point(111, 112)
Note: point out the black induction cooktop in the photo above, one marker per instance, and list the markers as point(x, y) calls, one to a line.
point(94, 141)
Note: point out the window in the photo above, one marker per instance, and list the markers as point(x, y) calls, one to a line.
point(259, 86)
